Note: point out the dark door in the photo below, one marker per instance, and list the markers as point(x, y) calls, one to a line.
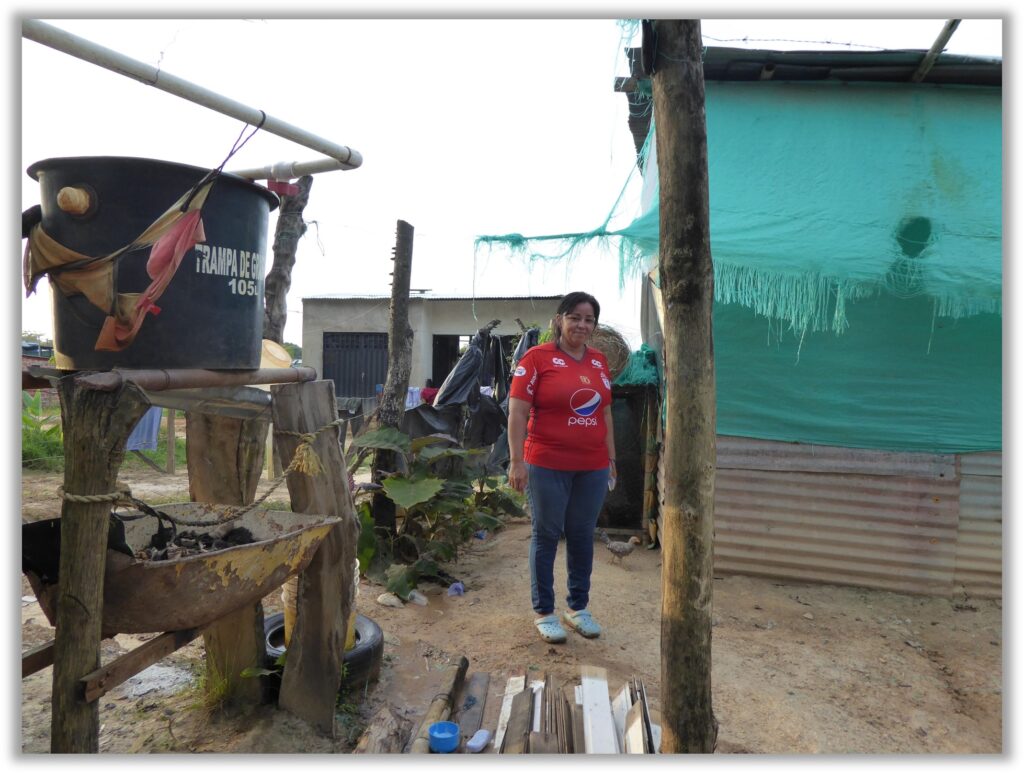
point(356, 362)
point(446, 354)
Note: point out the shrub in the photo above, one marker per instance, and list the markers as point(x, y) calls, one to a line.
point(42, 440)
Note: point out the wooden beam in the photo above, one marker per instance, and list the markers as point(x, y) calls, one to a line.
point(326, 589)
point(106, 678)
point(513, 687)
point(599, 727)
point(192, 378)
point(470, 713)
point(36, 659)
point(148, 461)
point(933, 53)
point(621, 705)
point(386, 733)
point(517, 733)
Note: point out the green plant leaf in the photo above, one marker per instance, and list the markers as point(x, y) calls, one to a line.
point(407, 493)
point(486, 520)
point(401, 579)
point(444, 551)
point(418, 444)
point(387, 438)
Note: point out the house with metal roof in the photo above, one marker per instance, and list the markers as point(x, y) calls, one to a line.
point(856, 233)
point(345, 337)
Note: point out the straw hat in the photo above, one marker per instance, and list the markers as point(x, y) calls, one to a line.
point(274, 355)
point(613, 346)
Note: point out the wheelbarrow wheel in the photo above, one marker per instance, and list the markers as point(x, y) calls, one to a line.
point(361, 663)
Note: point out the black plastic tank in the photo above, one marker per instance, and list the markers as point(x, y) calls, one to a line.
point(211, 311)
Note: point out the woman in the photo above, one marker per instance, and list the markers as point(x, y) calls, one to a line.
point(562, 450)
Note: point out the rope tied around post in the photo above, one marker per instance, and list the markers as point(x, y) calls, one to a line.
point(305, 461)
point(123, 496)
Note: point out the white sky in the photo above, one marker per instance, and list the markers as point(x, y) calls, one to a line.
point(467, 127)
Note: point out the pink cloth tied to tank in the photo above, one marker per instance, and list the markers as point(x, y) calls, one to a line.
point(170, 236)
point(120, 329)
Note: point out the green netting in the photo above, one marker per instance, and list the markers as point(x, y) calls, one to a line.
point(892, 381)
point(641, 368)
point(825, 194)
point(855, 229)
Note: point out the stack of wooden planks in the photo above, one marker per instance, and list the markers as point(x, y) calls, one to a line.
point(547, 717)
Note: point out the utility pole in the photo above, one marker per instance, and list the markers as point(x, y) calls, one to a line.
point(396, 385)
point(673, 56)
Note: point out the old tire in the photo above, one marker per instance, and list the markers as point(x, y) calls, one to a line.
point(362, 662)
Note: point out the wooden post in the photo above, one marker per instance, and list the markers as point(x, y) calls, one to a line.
point(290, 228)
point(96, 428)
point(312, 672)
point(652, 414)
point(396, 386)
point(172, 441)
point(687, 286)
point(225, 460)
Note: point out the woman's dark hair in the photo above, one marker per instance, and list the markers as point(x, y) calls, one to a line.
point(570, 302)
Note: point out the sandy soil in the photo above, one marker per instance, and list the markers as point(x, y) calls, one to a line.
point(796, 668)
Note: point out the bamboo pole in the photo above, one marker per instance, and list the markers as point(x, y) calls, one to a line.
point(441, 707)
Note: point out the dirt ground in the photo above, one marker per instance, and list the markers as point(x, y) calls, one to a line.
point(797, 669)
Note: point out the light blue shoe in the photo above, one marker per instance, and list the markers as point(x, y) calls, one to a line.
point(582, 622)
point(550, 629)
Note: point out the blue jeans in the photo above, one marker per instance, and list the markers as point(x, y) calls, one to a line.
point(563, 502)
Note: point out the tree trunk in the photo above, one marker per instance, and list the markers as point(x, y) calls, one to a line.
point(687, 286)
point(290, 228)
point(96, 426)
point(396, 386)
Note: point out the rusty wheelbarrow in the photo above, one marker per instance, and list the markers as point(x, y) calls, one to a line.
point(146, 596)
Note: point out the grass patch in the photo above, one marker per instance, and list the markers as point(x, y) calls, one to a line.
point(42, 439)
point(159, 456)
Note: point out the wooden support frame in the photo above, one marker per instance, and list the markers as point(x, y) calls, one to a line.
point(104, 679)
point(37, 658)
point(225, 462)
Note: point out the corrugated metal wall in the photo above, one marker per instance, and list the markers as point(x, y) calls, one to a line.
point(980, 533)
point(906, 522)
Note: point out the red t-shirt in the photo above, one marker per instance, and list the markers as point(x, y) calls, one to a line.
point(567, 429)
